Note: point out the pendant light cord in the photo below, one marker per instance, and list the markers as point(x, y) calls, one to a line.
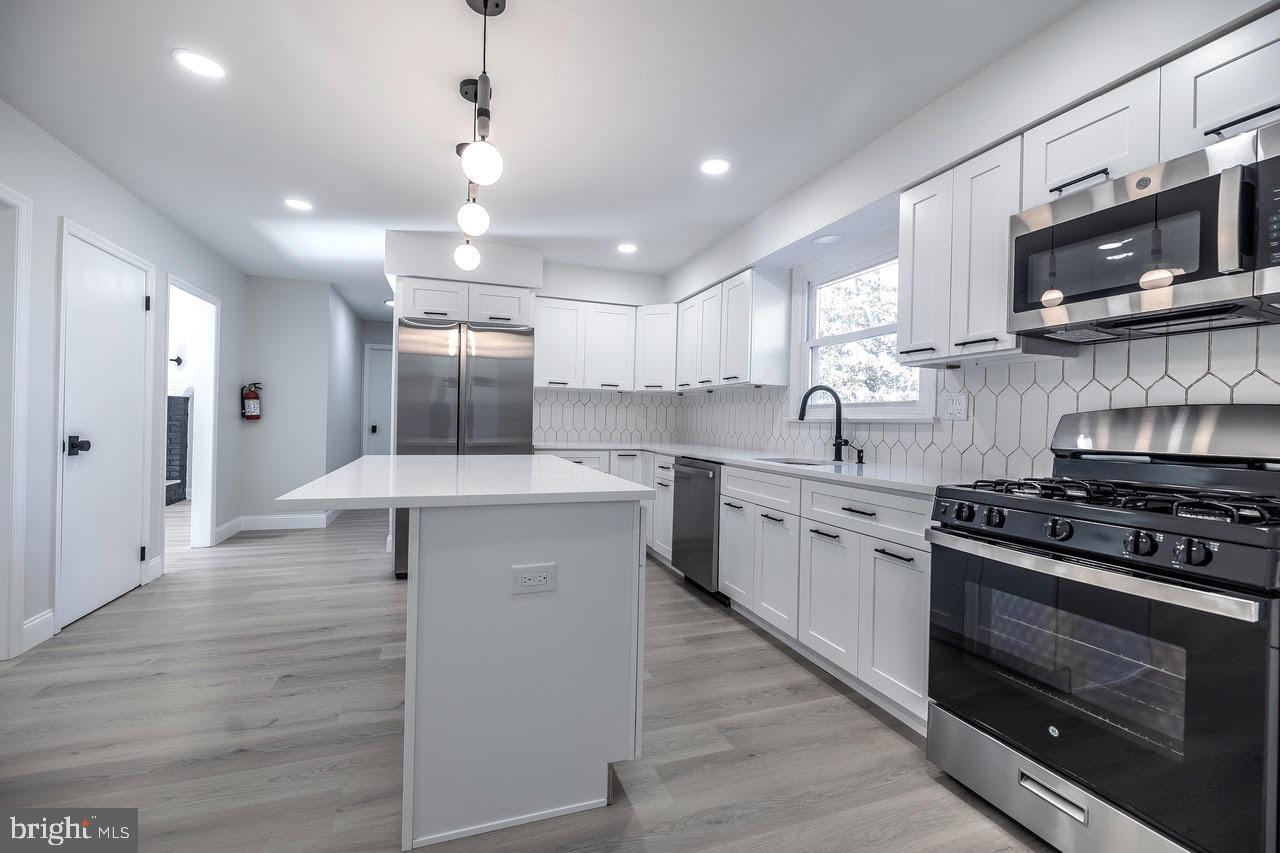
point(484, 68)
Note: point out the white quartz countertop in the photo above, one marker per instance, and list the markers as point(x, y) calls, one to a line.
point(899, 478)
point(436, 481)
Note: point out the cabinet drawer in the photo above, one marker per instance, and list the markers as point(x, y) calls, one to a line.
point(597, 460)
point(865, 510)
point(771, 490)
point(664, 467)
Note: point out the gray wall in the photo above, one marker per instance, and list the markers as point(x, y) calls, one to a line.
point(569, 281)
point(375, 331)
point(346, 368)
point(61, 183)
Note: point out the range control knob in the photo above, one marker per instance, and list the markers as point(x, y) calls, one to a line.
point(1192, 552)
point(1058, 529)
point(1140, 544)
point(993, 517)
point(964, 512)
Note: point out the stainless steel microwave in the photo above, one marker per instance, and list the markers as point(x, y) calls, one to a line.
point(1187, 245)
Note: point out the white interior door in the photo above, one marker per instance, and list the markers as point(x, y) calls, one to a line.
point(104, 403)
point(377, 399)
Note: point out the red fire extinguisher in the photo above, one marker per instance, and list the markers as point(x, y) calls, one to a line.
point(251, 401)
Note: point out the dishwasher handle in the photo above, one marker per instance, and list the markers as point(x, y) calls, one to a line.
point(694, 472)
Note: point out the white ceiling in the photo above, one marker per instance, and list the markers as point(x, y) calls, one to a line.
point(602, 111)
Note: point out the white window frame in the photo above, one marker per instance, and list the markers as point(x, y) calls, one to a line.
point(805, 353)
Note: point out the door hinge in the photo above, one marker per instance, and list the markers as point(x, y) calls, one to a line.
point(148, 306)
point(142, 554)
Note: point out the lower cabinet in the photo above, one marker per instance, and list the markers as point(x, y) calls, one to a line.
point(663, 508)
point(830, 583)
point(738, 551)
point(598, 460)
point(777, 569)
point(894, 621)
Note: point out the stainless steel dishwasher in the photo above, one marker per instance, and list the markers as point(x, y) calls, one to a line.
point(695, 540)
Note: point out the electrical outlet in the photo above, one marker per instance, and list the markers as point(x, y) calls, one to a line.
point(955, 406)
point(535, 577)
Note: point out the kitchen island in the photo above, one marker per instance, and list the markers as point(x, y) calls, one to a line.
point(524, 640)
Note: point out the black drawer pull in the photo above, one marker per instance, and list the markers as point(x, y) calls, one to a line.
point(976, 341)
point(733, 506)
point(1218, 130)
point(626, 455)
point(1104, 172)
point(653, 386)
point(705, 381)
point(916, 350)
point(436, 313)
point(727, 378)
point(664, 485)
point(895, 556)
point(771, 517)
point(823, 533)
point(858, 511)
point(494, 317)
point(665, 467)
point(577, 461)
point(608, 384)
point(683, 385)
point(556, 382)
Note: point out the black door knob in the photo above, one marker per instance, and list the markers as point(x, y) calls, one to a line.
point(77, 445)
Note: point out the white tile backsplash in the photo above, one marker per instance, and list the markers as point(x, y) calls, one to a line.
point(1013, 408)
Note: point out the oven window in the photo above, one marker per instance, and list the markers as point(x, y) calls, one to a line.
point(1134, 684)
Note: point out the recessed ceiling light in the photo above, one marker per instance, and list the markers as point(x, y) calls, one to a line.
point(390, 303)
point(295, 203)
point(627, 248)
point(715, 166)
point(198, 63)
point(826, 239)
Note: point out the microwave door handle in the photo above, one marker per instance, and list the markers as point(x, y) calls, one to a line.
point(1230, 187)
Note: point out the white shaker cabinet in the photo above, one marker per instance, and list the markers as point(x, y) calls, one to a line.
point(663, 510)
point(656, 348)
point(894, 623)
point(492, 303)
point(777, 569)
point(430, 298)
point(753, 327)
point(1227, 82)
point(627, 464)
point(987, 191)
point(1118, 131)
point(709, 308)
point(830, 581)
point(610, 349)
point(689, 325)
point(924, 270)
point(560, 328)
point(738, 551)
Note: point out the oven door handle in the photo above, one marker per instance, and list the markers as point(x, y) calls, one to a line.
point(1180, 596)
point(1230, 188)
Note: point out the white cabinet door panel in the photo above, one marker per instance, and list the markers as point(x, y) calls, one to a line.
point(687, 342)
point(431, 298)
point(777, 569)
point(656, 347)
point(491, 303)
point(709, 306)
point(1117, 131)
point(830, 582)
point(627, 465)
point(924, 270)
point(988, 190)
point(894, 623)
point(559, 332)
point(1227, 79)
point(663, 509)
point(735, 329)
point(610, 351)
point(738, 551)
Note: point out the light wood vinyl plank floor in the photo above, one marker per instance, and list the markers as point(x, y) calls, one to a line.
point(252, 700)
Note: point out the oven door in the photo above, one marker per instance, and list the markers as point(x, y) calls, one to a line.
point(1157, 697)
point(1170, 240)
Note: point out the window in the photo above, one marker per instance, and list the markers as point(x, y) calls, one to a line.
point(852, 345)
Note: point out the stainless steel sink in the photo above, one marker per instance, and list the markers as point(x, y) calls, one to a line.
point(797, 461)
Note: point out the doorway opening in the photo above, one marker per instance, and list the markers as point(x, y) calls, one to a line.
point(190, 486)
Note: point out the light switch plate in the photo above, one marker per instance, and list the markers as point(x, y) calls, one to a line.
point(955, 406)
point(533, 577)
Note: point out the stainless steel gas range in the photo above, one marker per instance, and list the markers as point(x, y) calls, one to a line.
point(1104, 653)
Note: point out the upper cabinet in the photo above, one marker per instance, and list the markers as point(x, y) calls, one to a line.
point(753, 327)
point(709, 306)
point(656, 348)
point(560, 330)
point(1227, 85)
point(1106, 137)
point(924, 270)
point(689, 325)
point(490, 303)
point(432, 298)
point(610, 349)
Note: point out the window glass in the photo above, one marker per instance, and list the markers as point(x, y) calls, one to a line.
point(864, 300)
point(867, 371)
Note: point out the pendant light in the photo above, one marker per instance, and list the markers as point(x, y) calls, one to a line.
point(466, 256)
point(473, 219)
point(481, 160)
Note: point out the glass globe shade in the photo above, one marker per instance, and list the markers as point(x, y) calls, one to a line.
point(467, 257)
point(1154, 279)
point(473, 219)
point(481, 163)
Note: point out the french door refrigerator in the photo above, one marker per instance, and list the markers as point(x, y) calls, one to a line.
point(460, 388)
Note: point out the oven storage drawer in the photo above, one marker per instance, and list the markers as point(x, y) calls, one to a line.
point(1066, 815)
point(1156, 696)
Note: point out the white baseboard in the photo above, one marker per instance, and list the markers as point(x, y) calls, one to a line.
point(37, 629)
point(154, 569)
point(288, 520)
point(427, 840)
point(223, 532)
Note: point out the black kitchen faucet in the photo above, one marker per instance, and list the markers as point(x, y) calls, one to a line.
point(841, 442)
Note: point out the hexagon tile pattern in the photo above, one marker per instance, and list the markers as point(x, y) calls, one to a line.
point(1013, 409)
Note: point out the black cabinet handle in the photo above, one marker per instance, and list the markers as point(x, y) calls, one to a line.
point(727, 378)
point(704, 381)
point(733, 506)
point(626, 455)
point(665, 467)
point(556, 382)
point(608, 384)
point(664, 485)
point(492, 317)
point(823, 533)
point(771, 517)
point(77, 445)
point(683, 385)
point(1104, 172)
point(576, 461)
point(1218, 130)
point(895, 556)
point(976, 341)
point(858, 511)
point(436, 313)
point(653, 386)
point(916, 350)
point(373, 429)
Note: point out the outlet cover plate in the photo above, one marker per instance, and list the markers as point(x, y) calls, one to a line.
point(955, 406)
point(533, 577)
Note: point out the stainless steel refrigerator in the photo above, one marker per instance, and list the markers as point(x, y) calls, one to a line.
point(460, 388)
